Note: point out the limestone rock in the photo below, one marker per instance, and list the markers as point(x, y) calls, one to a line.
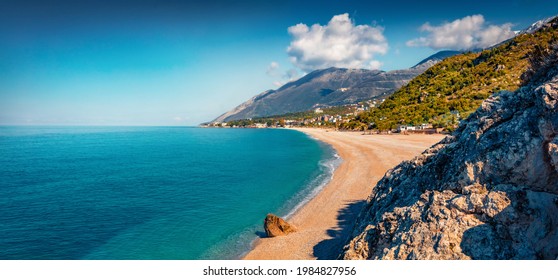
point(275, 226)
point(488, 191)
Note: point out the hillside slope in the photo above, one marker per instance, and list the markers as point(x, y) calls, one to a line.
point(460, 83)
point(489, 191)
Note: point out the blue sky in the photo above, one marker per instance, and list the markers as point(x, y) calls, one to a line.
point(184, 62)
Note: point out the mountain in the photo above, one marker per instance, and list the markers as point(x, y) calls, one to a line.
point(435, 58)
point(328, 87)
point(456, 86)
point(488, 191)
point(536, 26)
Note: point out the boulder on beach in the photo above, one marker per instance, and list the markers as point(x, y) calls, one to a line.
point(275, 226)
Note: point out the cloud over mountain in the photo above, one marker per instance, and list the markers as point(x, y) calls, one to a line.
point(273, 70)
point(340, 43)
point(470, 32)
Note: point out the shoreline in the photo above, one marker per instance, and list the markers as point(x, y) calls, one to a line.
point(335, 161)
point(324, 222)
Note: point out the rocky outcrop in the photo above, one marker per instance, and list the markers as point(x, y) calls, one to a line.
point(275, 226)
point(488, 191)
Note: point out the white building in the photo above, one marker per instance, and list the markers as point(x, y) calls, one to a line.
point(403, 128)
point(424, 126)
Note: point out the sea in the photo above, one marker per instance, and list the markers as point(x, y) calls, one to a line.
point(168, 193)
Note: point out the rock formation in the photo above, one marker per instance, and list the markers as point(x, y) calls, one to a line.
point(488, 191)
point(275, 226)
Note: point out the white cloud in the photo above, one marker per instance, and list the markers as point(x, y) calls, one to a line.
point(466, 33)
point(340, 43)
point(291, 75)
point(375, 65)
point(272, 69)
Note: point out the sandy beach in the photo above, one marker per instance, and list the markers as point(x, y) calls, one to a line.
point(325, 221)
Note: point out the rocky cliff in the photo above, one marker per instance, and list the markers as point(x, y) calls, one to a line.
point(488, 191)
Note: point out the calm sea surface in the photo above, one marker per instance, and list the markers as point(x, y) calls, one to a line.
point(149, 192)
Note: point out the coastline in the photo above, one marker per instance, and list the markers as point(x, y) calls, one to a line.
point(326, 220)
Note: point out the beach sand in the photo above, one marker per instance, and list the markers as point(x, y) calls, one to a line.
point(325, 222)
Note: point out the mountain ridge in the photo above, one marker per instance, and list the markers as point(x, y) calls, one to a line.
point(328, 87)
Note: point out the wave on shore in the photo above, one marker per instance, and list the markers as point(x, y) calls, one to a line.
point(238, 245)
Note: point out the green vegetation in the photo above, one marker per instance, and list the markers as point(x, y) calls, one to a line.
point(457, 86)
point(298, 116)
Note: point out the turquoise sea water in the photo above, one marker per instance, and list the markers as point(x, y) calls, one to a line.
point(149, 192)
